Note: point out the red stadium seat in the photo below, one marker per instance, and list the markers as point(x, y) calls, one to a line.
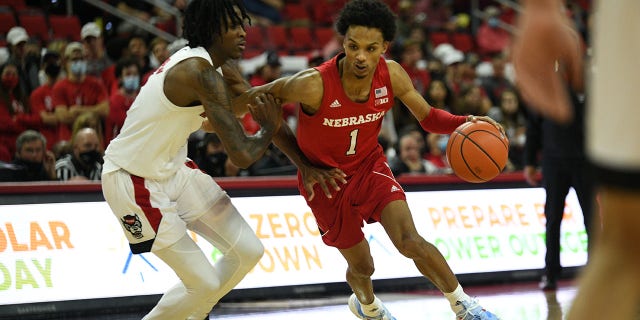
point(7, 20)
point(323, 36)
point(437, 38)
point(15, 4)
point(301, 39)
point(296, 14)
point(277, 38)
point(463, 41)
point(255, 37)
point(35, 23)
point(65, 27)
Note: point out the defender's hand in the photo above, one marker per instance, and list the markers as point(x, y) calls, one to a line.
point(267, 111)
point(324, 177)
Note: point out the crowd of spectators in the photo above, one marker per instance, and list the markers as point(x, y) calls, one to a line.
point(72, 96)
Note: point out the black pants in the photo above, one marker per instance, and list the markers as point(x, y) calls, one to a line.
point(558, 176)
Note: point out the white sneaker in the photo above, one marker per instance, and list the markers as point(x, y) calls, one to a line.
point(356, 309)
point(472, 310)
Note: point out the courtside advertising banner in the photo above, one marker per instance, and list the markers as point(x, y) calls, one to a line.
point(71, 251)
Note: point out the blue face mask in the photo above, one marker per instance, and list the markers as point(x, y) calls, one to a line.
point(442, 144)
point(131, 83)
point(79, 67)
point(493, 22)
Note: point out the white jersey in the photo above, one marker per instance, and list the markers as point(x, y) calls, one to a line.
point(153, 140)
point(612, 126)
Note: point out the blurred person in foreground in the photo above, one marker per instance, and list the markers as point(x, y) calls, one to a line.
point(609, 287)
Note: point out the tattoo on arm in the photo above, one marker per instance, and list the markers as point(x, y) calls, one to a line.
point(215, 98)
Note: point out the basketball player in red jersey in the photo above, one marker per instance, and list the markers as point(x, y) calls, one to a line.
point(343, 102)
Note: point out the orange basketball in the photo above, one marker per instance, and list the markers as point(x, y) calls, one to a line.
point(477, 151)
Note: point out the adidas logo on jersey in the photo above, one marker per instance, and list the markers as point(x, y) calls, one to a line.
point(394, 188)
point(335, 104)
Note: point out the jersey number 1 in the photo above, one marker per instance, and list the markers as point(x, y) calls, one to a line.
point(352, 144)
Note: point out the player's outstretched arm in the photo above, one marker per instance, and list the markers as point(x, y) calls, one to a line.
point(211, 91)
point(431, 119)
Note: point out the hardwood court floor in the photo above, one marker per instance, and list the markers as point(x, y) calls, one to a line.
point(520, 301)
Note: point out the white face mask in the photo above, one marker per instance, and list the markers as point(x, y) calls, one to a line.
point(131, 83)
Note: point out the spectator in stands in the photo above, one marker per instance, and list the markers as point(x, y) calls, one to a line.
point(25, 56)
point(436, 152)
point(78, 92)
point(85, 160)
point(213, 159)
point(434, 15)
point(32, 162)
point(138, 49)
point(120, 101)
point(412, 61)
point(408, 159)
point(472, 100)
point(439, 95)
point(492, 39)
point(14, 110)
point(138, 9)
point(511, 115)
point(98, 61)
point(89, 119)
point(159, 53)
point(42, 98)
point(497, 82)
point(61, 149)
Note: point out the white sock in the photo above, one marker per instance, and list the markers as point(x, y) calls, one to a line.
point(372, 309)
point(455, 296)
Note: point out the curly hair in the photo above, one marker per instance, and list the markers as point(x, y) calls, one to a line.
point(205, 18)
point(370, 14)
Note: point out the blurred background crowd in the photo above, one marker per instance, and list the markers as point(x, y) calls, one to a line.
point(70, 70)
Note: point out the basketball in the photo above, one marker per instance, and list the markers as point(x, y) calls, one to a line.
point(477, 151)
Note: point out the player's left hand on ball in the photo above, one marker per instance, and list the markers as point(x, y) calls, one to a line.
point(488, 119)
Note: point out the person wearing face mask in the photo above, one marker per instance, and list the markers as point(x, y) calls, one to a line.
point(15, 114)
point(128, 73)
point(213, 159)
point(436, 151)
point(85, 160)
point(491, 38)
point(78, 92)
point(42, 98)
point(32, 162)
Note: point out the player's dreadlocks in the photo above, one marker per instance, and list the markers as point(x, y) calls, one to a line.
point(368, 13)
point(205, 18)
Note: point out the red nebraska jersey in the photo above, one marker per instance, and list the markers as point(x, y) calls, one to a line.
point(343, 133)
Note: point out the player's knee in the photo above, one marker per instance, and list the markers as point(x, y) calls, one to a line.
point(411, 246)
point(250, 251)
point(207, 286)
point(362, 269)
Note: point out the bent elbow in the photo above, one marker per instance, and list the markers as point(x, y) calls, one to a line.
point(241, 160)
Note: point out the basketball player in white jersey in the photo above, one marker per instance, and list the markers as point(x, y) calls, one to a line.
point(609, 288)
point(156, 194)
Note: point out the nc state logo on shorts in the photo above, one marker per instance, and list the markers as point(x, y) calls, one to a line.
point(132, 224)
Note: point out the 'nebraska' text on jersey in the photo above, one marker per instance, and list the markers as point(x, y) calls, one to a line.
point(344, 133)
